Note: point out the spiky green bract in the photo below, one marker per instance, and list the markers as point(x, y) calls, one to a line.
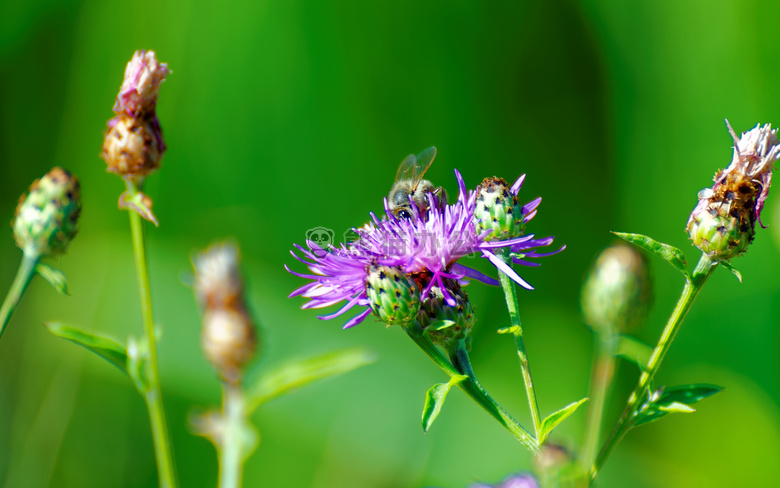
point(617, 293)
point(498, 209)
point(47, 217)
point(392, 295)
point(436, 309)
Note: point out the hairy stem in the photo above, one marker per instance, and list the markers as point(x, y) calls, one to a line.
point(152, 394)
point(23, 277)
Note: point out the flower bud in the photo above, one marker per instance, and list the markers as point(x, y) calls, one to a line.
point(143, 77)
point(229, 341)
point(617, 293)
point(723, 224)
point(47, 217)
point(393, 296)
point(498, 209)
point(133, 147)
point(435, 308)
point(217, 280)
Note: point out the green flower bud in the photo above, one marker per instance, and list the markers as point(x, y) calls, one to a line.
point(47, 217)
point(617, 293)
point(393, 296)
point(435, 308)
point(499, 210)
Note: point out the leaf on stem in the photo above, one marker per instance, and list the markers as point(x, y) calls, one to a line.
point(509, 330)
point(434, 399)
point(734, 270)
point(634, 350)
point(138, 363)
point(439, 325)
point(551, 421)
point(296, 374)
point(140, 204)
point(54, 277)
point(670, 254)
point(108, 349)
point(673, 400)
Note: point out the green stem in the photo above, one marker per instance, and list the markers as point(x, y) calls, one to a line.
point(472, 386)
point(703, 271)
point(601, 376)
point(152, 394)
point(23, 277)
point(510, 292)
point(231, 459)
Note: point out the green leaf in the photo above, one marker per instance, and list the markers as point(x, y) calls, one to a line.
point(673, 400)
point(734, 270)
point(440, 325)
point(296, 374)
point(634, 350)
point(509, 330)
point(108, 349)
point(434, 400)
point(138, 363)
point(670, 254)
point(555, 418)
point(55, 277)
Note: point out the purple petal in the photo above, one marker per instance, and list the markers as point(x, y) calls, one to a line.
point(502, 266)
point(474, 274)
point(357, 319)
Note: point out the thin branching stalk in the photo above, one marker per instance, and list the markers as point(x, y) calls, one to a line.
point(703, 271)
point(152, 395)
point(601, 376)
point(462, 366)
point(231, 456)
point(23, 277)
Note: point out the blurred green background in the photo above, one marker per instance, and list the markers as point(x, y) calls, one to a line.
point(283, 116)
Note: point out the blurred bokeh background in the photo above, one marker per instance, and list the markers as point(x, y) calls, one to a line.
point(284, 116)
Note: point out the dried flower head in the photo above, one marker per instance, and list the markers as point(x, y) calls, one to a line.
point(229, 341)
point(133, 147)
point(723, 223)
point(217, 278)
point(143, 77)
point(47, 217)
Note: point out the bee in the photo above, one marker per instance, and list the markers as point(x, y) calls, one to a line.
point(409, 182)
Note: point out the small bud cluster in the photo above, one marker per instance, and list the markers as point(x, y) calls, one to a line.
point(47, 217)
point(723, 224)
point(133, 144)
point(229, 336)
point(393, 296)
point(436, 308)
point(498, 209)
point(617, 293)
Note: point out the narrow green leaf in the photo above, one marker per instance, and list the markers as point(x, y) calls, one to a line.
point(509, 330)
point(673, 400)
point(108, 349)
point(551, 421)
point(734, 270)
point(440, 325)
point(54, 277)
point(670, 254)
point(296, 374)
point(634, 350)
point(434, 400)
point(138, 363)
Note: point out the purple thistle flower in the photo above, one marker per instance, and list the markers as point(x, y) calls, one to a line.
point(427, 246)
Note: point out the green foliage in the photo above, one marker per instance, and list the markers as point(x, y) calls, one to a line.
point(670, 254)
point(673, 400)
point(434, 400)
point(54, 277)
point(298, 373)
point(554, 419)
point(731, 268)
point(634, 350)
point(108, 349)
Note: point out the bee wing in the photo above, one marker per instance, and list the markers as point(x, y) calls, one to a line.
point(424, 161)
point(407, 169)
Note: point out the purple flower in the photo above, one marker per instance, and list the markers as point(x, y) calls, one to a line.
point(426, 247)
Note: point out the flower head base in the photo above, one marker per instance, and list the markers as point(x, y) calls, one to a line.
point(133, 147)
point(431, 245)
point(617, 294)
point(435, 309)
point(47, 217)
point(229, 337)
point(143, 77)
point(393, 296)
point(723, 223)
